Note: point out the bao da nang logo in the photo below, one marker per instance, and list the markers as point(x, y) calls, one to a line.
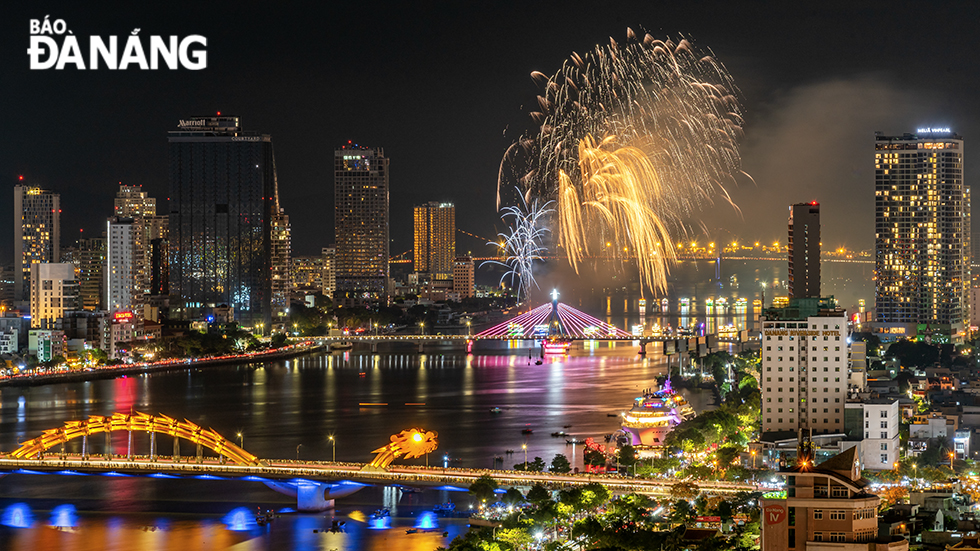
point(54, 46)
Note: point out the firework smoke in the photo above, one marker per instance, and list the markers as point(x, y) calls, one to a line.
point(522, 244)
point(633, 139)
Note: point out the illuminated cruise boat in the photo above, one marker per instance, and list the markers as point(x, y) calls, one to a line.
point(654, 415)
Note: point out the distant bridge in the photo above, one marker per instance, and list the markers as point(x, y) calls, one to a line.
point(314, 484)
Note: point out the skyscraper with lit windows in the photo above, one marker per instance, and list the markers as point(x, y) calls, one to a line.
point(361, 224)
point(223, 200)
point(435, 239)
point(922, 232)
point(37, 234)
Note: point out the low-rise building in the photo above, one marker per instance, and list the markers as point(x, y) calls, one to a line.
point(45, 344)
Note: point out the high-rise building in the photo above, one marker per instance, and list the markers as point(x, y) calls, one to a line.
point(91, 272)
point(37, 234)
point(804, 250)
point(463, 277)
point(123, 292)
point(223, 199)
point(804, 367)
point(307, 273)
point(329, 279)
point(54, 291)
point(361, 224)
point(827, 506)
point(281, 275)
point(435, 239)
point(922, 231)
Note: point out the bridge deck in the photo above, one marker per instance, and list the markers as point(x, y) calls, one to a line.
point(332, 472)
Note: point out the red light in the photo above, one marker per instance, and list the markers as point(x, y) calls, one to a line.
point(21, 177)
point(814, 203)
point(219, 113)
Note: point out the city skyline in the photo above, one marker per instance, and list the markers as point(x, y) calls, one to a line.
point(821, 107)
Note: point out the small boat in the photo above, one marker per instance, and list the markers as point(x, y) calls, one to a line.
point(612, 415)
point(559, 434)
point(566, 426)
point(509, 452)
point(574, 441)
point(410, 490)
point(412, 531)
point(495, 410)
point(381, 513)
point(527, 431)
point(343, 345)
point(447, 507)
point(538, 362)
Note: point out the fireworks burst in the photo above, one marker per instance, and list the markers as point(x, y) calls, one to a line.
point(633, 139)
point(522, 244)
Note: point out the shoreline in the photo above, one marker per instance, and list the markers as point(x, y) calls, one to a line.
point(112, 373)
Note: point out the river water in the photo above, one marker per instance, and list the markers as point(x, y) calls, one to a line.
point(279, 406)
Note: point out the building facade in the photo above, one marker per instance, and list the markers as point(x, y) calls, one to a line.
point(282, 278)
point(122, 281)
point(37, 234)
point(91, 272)
point(804, 250)
point(329, 278)
point(922, 231)
point(223, 199)
point(827, 507)
point(54, 291)
point(361, 224)
point(435, 239)
point(464, 280)
point(804, 374)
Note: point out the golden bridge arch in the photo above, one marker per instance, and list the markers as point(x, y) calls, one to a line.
point(136, 422)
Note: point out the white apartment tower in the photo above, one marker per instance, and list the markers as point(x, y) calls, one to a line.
point(54, 290)
point(804, 368)
point(922, 230)
point(123, 288)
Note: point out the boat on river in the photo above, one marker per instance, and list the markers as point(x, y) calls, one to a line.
point(654, 415)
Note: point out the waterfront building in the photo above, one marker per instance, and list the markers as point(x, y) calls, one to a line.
point(123, 292)
point(37, 234)
point(435, 239)
point(223, 200)
point(329, 278)
point(464, 281)
point(804, 250)
point(804, 374)
point(307, 273)
point(827, 507)
point(91, 272)
point(45, 344)
point(6, 288)
point(281, 273)
point(9, 341)
point(54, 291)
point(922, 232)
point(361, 224)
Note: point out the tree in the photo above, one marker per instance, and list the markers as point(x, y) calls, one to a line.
point(517, 538)
point(684, 491)
point(483, 488)
point(594, 458)
point(538, 494)
point(913, 354)
point(683, 511)
point(627, 455)
point(513, 496)
point(278, 340)
point(560, 464)
point(593, 496)
point(537, 464)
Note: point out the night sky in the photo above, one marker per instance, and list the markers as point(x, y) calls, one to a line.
point(444, 88)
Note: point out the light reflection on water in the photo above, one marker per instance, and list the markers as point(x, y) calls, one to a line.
point(276, 409)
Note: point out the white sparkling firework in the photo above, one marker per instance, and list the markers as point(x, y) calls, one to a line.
point(522, 244)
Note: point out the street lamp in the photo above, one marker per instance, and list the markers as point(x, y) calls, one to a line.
point(525, 456)
point(752, 452)
point(297, 451)
point(375, 329)
point(333, 444)
point(468, 333)
point(421, 328)
point(241, 441)
point(951, 456)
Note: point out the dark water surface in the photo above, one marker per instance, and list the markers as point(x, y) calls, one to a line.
point(281, 405)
